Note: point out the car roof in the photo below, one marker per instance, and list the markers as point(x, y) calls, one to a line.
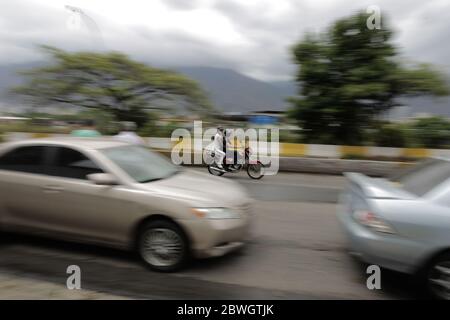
point(87, 143)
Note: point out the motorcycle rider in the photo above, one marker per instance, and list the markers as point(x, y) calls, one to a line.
point(219, 147)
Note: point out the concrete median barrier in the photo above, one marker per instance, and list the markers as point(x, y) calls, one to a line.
point(311, 158)
point(339, 166)
point(332, 166)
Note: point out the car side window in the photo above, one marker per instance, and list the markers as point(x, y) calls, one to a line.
point(28, 159)
point(69, 163)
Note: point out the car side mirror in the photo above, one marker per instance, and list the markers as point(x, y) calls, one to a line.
point(105, 179)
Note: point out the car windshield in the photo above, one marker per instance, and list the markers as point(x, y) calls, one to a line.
point(424, 176)
point(140, 163)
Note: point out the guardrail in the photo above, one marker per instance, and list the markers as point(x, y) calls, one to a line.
point(286, 149)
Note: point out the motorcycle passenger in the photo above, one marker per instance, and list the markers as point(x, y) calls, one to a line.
point(228, 147)
point(234, 150)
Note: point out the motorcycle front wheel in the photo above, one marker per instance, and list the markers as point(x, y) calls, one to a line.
point(255, 171)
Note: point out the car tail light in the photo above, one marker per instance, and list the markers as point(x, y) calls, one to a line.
point(372, 221)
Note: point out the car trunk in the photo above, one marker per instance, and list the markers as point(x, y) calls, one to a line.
point(376, 188)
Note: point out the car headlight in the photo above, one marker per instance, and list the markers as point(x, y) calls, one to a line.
point(215, 213)
point(372, 221)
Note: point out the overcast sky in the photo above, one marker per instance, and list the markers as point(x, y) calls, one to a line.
point(251, 36)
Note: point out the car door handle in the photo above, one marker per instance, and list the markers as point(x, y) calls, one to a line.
point(53, 189)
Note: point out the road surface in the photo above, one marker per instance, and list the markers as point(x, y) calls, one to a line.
point(296, 251)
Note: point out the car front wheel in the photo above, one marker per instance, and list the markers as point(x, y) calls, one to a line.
point(163, 246)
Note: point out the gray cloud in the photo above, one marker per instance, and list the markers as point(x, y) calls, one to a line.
point(269, 29)
point(182, 4)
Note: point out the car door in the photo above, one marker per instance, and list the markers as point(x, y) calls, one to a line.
point(22, 177)
point(78, 208)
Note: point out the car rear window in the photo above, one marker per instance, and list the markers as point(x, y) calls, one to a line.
point(424, 176)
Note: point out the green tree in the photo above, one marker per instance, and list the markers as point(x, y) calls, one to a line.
point(390, 135)
point(151, 129)
point(432, 132)
point(109, 82)
point(348, 76)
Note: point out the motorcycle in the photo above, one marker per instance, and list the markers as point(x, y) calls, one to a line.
point(254, 168)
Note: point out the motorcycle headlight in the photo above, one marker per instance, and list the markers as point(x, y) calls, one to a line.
point(215, 213)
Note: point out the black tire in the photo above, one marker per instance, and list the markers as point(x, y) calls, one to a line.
point(215, 172)
point(176, 241)
point(437, 275)
point(252, 174)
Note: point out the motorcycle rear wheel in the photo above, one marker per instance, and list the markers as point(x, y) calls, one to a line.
point(215, 172)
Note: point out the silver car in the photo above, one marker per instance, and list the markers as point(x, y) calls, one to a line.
point(116, 194)
point(403, 223)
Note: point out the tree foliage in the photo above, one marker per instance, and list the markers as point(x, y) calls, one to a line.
point(432, 132)
point(391, 135)
point(350, 75)
point(110, 82)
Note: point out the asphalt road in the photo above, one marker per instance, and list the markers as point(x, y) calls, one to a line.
point(292, 187)
point(296, 251)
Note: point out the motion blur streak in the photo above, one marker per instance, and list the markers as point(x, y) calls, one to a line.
point(221, 149)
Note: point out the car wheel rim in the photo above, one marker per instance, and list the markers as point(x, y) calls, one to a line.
point(439, 280)
point(162, 247)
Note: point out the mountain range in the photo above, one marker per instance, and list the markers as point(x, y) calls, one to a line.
point(233, 92)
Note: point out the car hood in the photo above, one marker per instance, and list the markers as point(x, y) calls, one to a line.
point(202, 189)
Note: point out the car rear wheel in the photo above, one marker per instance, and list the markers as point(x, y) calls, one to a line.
point(163, 246)
point(438, 277)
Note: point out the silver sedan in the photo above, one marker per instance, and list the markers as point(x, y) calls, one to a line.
point(403, 223)
point(116, 194)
